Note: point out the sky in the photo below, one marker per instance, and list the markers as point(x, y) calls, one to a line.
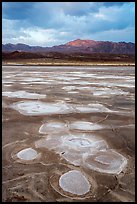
point(54, 23)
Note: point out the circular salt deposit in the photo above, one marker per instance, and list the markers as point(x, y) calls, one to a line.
point(82, 143)
point(52, 126)
point(41, 108)
point(74, 182)
point(27, 154)
point(85, 126)
point(91, 108)
point(108, 161)
point(78, 142)
point(48, 143)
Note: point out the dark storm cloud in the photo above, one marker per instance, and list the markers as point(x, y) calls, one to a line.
point(56, 22)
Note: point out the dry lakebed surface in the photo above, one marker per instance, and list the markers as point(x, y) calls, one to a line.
point(68, 134)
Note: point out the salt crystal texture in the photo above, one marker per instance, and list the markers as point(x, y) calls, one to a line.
point(107, 161)
point(84, 125)
point(52, 126)
point(27, 154)
point(74, 182)
point(41, 108)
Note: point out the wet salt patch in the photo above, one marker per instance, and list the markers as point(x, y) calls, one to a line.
point(107, 161)
point(7, 84)
point(88, 75)
point(91, 108)
point(63, 82)
point(74, 182)
point(52, 126)
point(71, 143)
point(35, 108)
point(125, 85)
point(107, 91)
point(85, 126)
point(23, 94)
point(66, 78)
point(30, 79)
point(82, 143)
point(48, 143)
point(27, 154)
point(40, 82)
point(69, 88)
point(103, 160)
point(86, 88)
point(77, 142)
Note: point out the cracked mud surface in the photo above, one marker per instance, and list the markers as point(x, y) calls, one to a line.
point(68, 134)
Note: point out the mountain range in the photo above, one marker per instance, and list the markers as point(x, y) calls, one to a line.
point(76, 46)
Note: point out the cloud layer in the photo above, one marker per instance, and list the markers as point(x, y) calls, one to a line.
point(53, 23)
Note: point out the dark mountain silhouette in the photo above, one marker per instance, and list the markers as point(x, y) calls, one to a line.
point(81, 46)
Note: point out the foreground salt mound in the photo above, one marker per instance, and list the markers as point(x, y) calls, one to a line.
point(85, 149)
point(74, 182)
point(35, 108)
point(27, 154)
point(52, 126)
point(72, 147)
point(23, 94)
point(85, 126)
point(106, 161)
point(79, 142)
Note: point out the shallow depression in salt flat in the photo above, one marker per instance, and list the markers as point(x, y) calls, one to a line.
point(41, 108)
point(81, 142)
point(72, 146)
point(106, 161)
point(27, 154)
point(84, 125)
point(74, 182)
point(52, 126)
point(91, 108)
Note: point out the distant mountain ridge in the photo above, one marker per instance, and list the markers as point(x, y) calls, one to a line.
point(81, 46)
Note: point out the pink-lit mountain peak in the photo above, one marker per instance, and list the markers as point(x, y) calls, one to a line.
point(83, 46)
point(81, 43)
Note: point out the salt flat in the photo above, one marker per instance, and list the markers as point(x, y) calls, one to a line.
point(59, 123)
